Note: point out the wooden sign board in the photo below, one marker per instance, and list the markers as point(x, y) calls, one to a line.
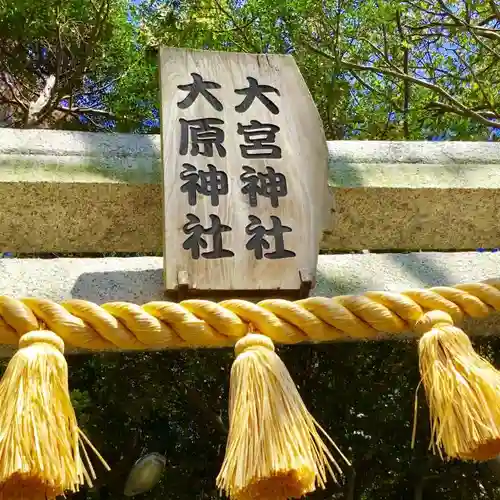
point(245, 173)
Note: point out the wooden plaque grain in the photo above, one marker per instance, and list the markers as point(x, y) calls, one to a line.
point(304, 158)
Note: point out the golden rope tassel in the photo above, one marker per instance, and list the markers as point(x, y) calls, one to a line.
point(39, 435)
point(274, 450)
point(462, 390)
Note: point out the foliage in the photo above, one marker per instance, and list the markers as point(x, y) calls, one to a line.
point(176, 403)
point(57, 59)
point(386, 69)
point(433, 63)
point(377, 69)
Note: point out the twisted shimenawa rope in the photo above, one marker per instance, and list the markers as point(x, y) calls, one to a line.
point(202, 323)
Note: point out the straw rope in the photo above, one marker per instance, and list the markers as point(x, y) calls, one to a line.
point(202, 323)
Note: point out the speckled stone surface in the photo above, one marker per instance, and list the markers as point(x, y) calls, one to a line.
point(53, 217)
point(379, 218)
point(89, 192)
point(139, 279)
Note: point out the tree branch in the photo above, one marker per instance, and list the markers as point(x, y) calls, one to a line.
point(84, 111)
point(495, 9)
point(479, 84)
point(490, 33)
point(451, 109)
point(28, 93)
point(59, 49)
point(102, 12)
point(456, 105)
point(406, 83)
point(364, 84)
point(6, 78)
point(420, 8)
point(471, 28)
point(488, 19)
point(36, 108)
point(238, 27)
point(382, 53)
point(374, 90)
